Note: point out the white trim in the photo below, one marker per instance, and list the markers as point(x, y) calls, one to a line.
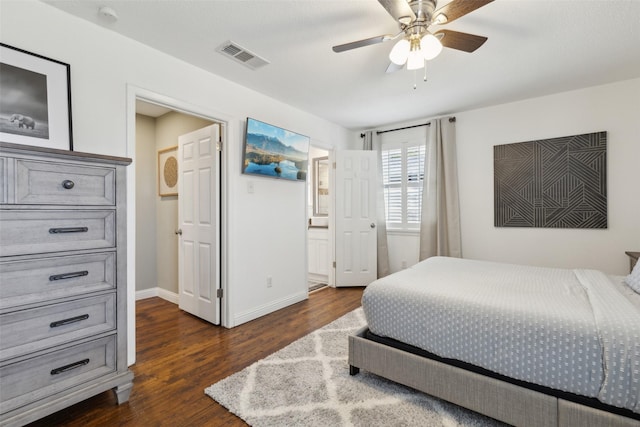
point(157, 292)
point(269, 308)
point(146, 293)
point(322, 145)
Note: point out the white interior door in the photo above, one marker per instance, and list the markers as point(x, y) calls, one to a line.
point(198, 223)
point(356, 173)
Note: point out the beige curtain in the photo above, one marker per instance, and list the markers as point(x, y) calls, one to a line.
point(440, 222)
point(370, 142)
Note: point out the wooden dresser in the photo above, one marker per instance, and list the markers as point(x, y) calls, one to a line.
point(63, 280)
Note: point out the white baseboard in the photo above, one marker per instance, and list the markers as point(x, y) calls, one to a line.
point(146, 293)
point(268, 308)
point(238, 320)
point(157, 292)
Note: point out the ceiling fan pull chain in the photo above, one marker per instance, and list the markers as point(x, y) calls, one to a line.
point(415, 85)
point(425, 70)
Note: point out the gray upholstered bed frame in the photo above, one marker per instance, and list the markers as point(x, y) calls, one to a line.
point(498, 399)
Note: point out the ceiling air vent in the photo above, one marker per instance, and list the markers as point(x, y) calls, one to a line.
point(241, 55)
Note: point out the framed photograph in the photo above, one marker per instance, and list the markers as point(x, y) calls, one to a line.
point(168, 171)
point(35, 100)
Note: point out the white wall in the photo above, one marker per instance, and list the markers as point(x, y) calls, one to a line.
point(265, 230)
point(614, 108)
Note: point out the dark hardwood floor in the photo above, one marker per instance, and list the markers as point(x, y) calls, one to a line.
point(179, 355)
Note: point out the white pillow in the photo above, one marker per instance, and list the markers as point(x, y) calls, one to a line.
point(633, 279)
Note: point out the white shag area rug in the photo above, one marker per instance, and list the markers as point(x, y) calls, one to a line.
point(308, 384)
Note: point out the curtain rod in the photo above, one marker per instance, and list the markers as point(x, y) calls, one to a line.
point(451, 120)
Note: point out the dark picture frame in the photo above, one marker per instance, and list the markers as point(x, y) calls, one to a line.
point(35, 99)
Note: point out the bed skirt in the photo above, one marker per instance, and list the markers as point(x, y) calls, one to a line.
point(513, 404)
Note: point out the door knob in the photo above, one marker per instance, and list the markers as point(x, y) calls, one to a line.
point(373, 225)
point(179, 231)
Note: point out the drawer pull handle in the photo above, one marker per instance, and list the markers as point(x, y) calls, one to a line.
point(68, 275)
point(68, 184)
point(69, 367)
point(68, 321)
point(68, 230)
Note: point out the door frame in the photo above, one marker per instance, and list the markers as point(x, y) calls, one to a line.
point(330, 149)
point(227, 132)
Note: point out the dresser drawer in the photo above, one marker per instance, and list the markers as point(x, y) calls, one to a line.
point(36, 329)
point(64, 184)
point(46, 279)
point(36, 378)
point(42, 231)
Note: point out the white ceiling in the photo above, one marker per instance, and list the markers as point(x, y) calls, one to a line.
point(149, 109)
point(535, 47)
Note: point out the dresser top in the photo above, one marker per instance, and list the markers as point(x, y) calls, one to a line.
point(9, 148)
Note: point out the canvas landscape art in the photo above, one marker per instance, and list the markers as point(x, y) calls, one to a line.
point(275, 152)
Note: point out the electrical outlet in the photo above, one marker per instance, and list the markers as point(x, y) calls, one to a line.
point(269, 281)
point(404, 264)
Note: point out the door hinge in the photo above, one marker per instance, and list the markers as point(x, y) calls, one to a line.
point(219, 293)
point(219, 146)
point(334, 165)
point(334, 264)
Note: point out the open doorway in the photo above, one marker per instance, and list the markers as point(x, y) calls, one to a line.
point(157, 132)
point(157, 104)
point(318, 207)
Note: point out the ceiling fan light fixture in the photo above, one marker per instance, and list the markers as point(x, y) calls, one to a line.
point(415, 60)
point(400, 52)
point(430, 46)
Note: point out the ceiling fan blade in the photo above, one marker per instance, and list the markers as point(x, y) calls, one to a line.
point(393, 67)
point(362, 43)
point(398, 9)
point(460, 41)
point(458, 8)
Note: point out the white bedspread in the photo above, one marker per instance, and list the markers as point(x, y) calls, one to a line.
point(571, 330)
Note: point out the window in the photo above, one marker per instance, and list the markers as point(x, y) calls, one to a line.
point(403, 175)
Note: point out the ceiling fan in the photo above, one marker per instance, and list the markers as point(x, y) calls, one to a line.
point(418, 44)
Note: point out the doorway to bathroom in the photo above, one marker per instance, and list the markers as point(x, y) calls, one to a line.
point(319, 266)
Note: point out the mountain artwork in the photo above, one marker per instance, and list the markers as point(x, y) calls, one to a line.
point(275, 152)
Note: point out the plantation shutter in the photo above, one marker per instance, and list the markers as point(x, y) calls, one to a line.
point(403, 174)
point(392, 178)
point(415, 177)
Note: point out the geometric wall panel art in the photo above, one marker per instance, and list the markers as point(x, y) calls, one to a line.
point(552, 183)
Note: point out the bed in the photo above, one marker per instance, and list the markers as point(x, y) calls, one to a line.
point(526, 345)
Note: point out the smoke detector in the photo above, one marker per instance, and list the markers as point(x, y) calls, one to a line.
point(108, 13)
